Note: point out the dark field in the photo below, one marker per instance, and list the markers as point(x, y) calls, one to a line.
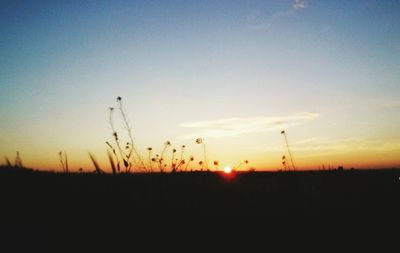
point(54, 211)
point(30, 195)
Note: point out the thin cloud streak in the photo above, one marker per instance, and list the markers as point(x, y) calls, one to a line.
point(258, 22)
point(238, 126)
point(314, 147)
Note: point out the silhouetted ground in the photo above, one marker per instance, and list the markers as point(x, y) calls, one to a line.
point(42, 210)
point(44, 195)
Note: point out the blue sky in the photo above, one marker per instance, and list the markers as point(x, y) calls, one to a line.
point(201, 63)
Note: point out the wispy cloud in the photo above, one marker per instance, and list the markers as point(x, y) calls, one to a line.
point(319, 146)
point(238, 126)
point(257, 21)
point(300, 4)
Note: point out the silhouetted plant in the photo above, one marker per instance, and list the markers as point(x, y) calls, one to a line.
point(191, 159)
point(63, 161)
point(98, 170)
point(149, 149)
point(117, 143)
point(131, 156)
point(283, 132)
point(173, 165)
point(18, 161)
point(201, 141)
point(128, 127)
point(284, 163)
point(240, 164)
point(115, 155)
point(201, 164)
point(8, 163)
point(113, 167)
point(182, 150)
point(216, 164)
point(162, 166)
point(181, 161)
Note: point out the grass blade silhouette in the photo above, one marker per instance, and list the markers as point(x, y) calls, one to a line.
point(66, 162)
point(113, 167)
point(96, 164)
point(8, 163)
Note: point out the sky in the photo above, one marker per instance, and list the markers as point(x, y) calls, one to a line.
point(235, 73)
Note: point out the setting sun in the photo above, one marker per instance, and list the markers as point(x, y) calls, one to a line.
point(227, 169)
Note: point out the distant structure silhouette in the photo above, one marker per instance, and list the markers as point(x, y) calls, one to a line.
point(283, 132)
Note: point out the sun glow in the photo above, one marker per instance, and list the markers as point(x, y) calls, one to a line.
point(227, 169)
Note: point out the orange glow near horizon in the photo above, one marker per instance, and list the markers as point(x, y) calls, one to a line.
point(307, 156)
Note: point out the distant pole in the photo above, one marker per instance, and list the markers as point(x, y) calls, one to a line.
point(287, 145)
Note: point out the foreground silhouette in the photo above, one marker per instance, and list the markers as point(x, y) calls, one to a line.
point(28, 193)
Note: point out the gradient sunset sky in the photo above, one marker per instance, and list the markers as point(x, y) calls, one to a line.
point(232, 72)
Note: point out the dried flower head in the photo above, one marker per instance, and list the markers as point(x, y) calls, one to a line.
point(191, 158)
point(199, 140)
point(167, 143)
point(174, 150)
point(149, 148)
point(216, 163)
point(119, 99)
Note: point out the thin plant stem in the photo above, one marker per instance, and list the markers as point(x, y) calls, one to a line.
point(129, 130)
